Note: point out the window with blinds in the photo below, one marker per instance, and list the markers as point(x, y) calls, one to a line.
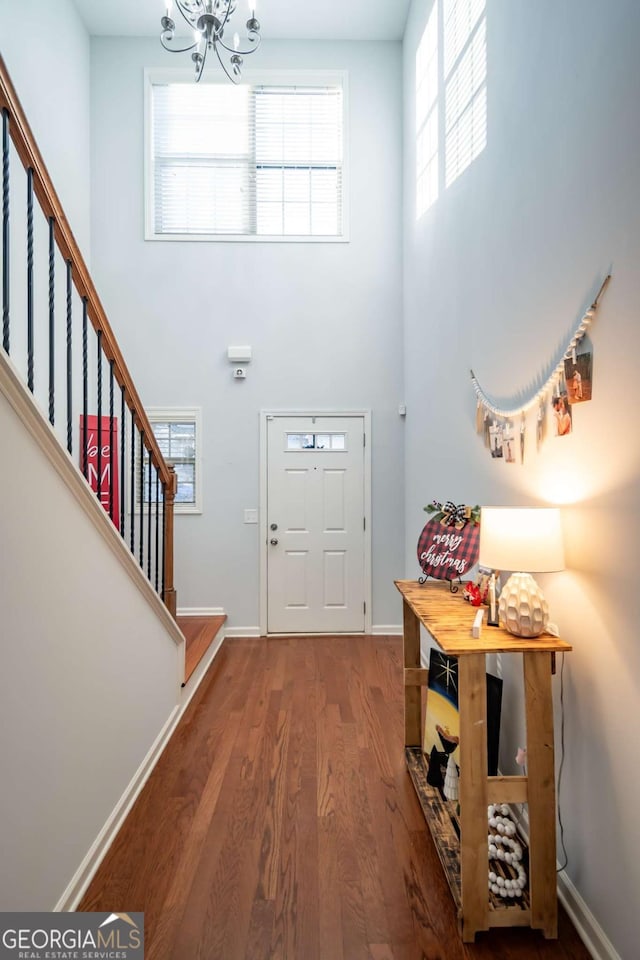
point(465, 72)
point(249, 161)
point(177, 432)
point(451, 96)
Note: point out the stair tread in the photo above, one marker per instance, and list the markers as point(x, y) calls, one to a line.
point(199, 632)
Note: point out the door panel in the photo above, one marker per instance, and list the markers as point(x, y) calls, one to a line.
point(315, 496)
point(335, 587)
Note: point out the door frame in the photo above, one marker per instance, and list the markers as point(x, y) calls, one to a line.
point(265, 415)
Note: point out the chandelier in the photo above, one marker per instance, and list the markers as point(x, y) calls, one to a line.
point(208, 20)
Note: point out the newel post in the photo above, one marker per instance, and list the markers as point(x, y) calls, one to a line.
point(170, 597)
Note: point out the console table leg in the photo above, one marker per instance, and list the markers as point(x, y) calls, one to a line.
point(473, 789)
point(413, 694)
point(541, 792)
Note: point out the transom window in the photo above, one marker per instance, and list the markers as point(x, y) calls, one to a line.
point(254, 161)
point(317, 441)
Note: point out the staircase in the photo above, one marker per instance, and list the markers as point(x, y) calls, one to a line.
point(69, 359)
point(92, 665)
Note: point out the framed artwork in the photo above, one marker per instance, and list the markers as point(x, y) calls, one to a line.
point(442, 721)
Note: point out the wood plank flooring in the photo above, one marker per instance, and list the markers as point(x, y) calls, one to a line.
point(281, 823)
point(199, 634)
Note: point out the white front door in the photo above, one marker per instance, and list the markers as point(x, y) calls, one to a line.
point(315, 524)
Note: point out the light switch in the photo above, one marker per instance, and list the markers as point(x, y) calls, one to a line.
point(250, 515)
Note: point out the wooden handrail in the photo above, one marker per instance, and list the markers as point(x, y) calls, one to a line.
point(31, 158)
point(30, 155)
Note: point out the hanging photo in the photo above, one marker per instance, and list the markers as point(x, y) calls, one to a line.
point(495, 439)
point(579, 376)
point(562, 415)
point(509, 444)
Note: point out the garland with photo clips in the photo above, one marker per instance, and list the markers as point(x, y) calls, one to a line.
point(485, 407)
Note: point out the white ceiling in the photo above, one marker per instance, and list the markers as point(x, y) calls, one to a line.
point(280, 19)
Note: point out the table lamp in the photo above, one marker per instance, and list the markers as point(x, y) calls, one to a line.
point(522, 538)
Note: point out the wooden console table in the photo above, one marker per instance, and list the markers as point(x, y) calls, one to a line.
point(448, 620)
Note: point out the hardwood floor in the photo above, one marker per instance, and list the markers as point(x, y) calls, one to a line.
point(281, 823)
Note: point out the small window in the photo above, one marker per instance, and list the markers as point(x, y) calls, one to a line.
point(178, 435)
point(317, 441)
point(255, 161)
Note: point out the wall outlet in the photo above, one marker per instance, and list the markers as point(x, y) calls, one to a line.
point(239, 373)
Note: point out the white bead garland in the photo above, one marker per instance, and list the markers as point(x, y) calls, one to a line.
point(540, 395)
point(503, 846)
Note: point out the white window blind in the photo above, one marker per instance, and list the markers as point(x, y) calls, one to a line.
point(427, 116)
point(259, 160)
point(465, 40)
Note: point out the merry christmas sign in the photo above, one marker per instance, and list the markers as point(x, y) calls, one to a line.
point(449, 543)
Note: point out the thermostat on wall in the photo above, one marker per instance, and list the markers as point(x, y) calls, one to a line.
point(239, 354)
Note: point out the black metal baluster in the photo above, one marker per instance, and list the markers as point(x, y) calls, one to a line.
point(99, 451)
point(111, 452)
point(30, 278)
point(5, 230)
point(141, 545)
point(157, 503)
point(132, 468)
point(123, 408)
point(149, 525)
point(52, 320)
point(85, 389)
point(69, 363)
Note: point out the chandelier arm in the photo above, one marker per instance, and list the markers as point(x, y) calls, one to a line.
point(226, 17)
point(200, 66)
point(178, 49)
point(222, 64)
point(242, 53)
point(185, 17)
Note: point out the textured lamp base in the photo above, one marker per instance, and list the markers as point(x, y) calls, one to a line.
point(522, 607)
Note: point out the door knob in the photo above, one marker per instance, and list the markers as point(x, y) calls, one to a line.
point(273, 542)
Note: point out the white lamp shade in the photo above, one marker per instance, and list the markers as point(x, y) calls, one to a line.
point(521, 538)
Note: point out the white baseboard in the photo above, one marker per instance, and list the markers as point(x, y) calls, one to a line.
point(386, 629)
point(85, 873)
point(588, 928)
point(242, 632)
point(200, 612)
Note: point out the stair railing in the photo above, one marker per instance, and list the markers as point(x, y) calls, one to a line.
point(115, 446)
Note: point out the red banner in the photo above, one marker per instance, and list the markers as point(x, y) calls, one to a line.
point(107, 482)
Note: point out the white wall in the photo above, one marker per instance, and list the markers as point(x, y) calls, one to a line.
point(86, 684)
point(324, 320)
point(497, 273)
point(46, 49)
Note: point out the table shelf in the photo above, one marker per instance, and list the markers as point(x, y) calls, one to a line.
point(444, 825)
